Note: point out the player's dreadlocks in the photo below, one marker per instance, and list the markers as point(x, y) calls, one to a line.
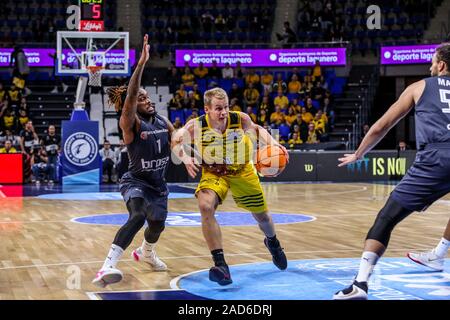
point(116, 97)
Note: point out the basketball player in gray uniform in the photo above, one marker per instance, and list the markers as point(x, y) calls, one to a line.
point(144, 189)
point(427, 180)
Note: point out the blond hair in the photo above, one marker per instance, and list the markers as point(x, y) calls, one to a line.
point(217, 93)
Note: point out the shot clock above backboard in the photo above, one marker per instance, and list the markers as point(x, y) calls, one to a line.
point(91, 15)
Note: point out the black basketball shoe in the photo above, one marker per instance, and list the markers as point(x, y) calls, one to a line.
point(220, 274)
point(278, 257)
point(356, 291)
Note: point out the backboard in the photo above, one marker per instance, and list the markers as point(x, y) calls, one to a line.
point(76, 51)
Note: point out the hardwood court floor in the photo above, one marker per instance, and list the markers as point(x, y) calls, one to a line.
point(42, 250)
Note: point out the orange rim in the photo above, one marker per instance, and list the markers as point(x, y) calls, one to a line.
point(94, 69)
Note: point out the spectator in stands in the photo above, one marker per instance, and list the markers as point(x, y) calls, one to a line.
point(253, 78)
point(328, 110)
point(21, 69)
point(42, 169)
point(279, 84)
point(28, 138)
point(295, 140)
point(50, 31)
point(108, 159)
point(52, 145)
point(234, 105)
point(266, 105)
point(193, 115)
point(251, 96)
point(238, 71)
point(267, 80)
point(207, 21)
point(23, 119)
point(288, 37)
point(316, 72)
point(8, 135)
point(303, 127)
point(294, 104)
point(251, 114)
point(3, 95)
point(23, 104)
point(177, 124)
point(14, 95)
point(310, 107)
point(175, 102)
point(317, 92)
point(237, 93)
point(277, 117)
point(291, 116)
point(220, 23)
point(262, 117)
point(9, 119)
point(173, 76)
point(327, 17)
point(194, 104)
point(313, 136)
point(188, 78)
point(307, 117)
point(197, 93)
point(214, 71)
point(281, 100)
point(122, 160)
point(294, 85)
point(181, 91)
point(8, 148)
point(319, 123)
point(201, 72)
point(227, 72)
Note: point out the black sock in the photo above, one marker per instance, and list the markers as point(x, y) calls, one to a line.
point(273, 241)
point(218, 257)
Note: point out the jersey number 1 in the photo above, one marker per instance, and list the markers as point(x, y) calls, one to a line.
point(158, 142)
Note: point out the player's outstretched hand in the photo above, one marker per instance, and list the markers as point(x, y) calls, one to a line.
point(192, 168)
point(347, 159)
point(145, 54)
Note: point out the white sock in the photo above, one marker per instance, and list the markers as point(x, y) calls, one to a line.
point(147, 247)
point(442, 248)
point(114, 255)
point(368, 262)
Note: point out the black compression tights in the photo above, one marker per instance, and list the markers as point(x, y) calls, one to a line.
point(136, 208)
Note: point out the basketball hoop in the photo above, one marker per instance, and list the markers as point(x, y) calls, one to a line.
point(95, 75)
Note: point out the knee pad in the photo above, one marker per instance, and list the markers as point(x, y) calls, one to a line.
point(391, 214)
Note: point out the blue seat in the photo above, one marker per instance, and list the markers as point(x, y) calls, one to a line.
point(176, 114)
point(187, 113)
point(284, 130)
point(225, 84)
point(292, 96)
point(316, 104)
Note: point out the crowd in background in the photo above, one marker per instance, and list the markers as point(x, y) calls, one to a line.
point(297, 103)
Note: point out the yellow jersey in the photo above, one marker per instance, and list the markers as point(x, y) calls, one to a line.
point(224, 153)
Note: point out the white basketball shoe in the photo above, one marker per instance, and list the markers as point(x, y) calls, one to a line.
point(107, 276)
point(428, 259)
point(150, 257)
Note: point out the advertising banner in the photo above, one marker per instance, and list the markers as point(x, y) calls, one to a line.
point(80, 159)
point(264, 57)
point(42, 57)
point(419, 54)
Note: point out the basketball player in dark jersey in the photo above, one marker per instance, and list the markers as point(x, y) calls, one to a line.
point(144, 189)
point(427, 180)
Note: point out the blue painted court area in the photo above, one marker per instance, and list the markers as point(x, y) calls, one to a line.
point(393, 279)
point(193, 219)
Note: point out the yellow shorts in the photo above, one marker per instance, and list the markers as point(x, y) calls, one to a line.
point(245, 188)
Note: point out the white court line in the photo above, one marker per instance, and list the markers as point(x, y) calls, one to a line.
point(94, 295)
point(199, 256)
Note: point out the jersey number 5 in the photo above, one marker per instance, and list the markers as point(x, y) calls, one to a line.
point(443, 93)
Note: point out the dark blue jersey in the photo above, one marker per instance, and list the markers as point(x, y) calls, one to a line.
point(433, 112)
point(149, 153)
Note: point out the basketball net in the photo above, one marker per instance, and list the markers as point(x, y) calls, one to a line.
point(95, 75)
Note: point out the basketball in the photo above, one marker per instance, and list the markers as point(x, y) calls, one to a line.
point(270, 161)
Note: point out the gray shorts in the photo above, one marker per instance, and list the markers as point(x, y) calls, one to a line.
point(155, 199)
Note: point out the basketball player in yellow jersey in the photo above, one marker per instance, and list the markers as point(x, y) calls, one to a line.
point(223, 138)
